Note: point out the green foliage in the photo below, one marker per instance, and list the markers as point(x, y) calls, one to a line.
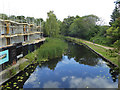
point(3, 16)
point(84, 27)
point(51, 25)
point(23, 65)
point(109, 54)
point(31, 56)
point(78, 28)
point(100, 40)
point(100, 36)
point(114, 15)
point(117, 45)
point(52, 48)
point(64, 28)
point(113, 33)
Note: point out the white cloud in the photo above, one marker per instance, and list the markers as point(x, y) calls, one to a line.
point(33, 81)
point(51, 84)
point(64, 78)
point(91, 83)
point(62, 8)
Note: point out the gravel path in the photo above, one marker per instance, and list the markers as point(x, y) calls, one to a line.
point(99, 45)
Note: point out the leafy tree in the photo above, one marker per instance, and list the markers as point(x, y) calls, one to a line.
point(84, 27)
point(21, 19)
point(115, 14)
point(90, 21)
point(38, 21)
point(78, 28)
point(64, 28)
point(12, 17)
point(114, 31)
point(100, 36)
point(30, 20)
point(3, 16)
point(52, 28)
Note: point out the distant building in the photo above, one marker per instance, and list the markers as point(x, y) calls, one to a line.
point(13, 32)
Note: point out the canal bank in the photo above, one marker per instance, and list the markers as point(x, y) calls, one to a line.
point(12, 69)
point(101, 51)
point(78, 67)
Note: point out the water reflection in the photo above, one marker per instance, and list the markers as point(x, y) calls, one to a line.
point(78, 68)
point(82, 55)
point(90, 83)
point(70, 74)
point(51, 64)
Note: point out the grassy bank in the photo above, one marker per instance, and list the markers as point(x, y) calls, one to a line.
point(103, 51)
point(52, 48)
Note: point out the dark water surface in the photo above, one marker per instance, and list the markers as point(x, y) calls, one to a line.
point(78, 68)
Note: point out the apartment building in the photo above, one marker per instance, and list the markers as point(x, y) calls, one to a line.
point(13, 32)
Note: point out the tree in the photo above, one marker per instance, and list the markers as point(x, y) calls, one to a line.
point(78, 28)
point(30, 20)
point(51, 25)
point(66, 25)
point(12, 17)
point(3, 16)
point(38, 21)
point(90, 23)
point(21, 19)
point(115, 14)
point(83, 27)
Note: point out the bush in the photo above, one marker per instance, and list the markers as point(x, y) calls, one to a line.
point(101, 40)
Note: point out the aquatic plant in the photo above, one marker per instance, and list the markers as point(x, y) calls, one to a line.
point(52, 48)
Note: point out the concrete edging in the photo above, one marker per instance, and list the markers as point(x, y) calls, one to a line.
point(95, 53)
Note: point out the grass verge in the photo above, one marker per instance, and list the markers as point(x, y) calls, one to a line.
point(104, 52)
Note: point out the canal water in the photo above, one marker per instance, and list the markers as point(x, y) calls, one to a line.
point(78, 68)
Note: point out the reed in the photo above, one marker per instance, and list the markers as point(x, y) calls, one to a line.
point(52, 48)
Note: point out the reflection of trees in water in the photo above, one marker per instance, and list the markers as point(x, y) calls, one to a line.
point(51, 64)
point(82, 55)
point(19, 79)
point(114, 74)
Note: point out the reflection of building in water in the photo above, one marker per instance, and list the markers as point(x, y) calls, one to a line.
point(13, 32)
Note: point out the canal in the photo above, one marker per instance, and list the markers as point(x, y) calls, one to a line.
point(77, 68)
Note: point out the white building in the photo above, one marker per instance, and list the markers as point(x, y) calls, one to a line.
point(12, 32)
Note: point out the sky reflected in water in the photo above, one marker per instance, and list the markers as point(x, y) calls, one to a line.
point(70, 73)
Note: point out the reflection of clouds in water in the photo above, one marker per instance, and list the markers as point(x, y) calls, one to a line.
point(51, 84)
point(65, 60)
point(102, 63)
point(33, 81)
point(64, 78)
point(91, 83)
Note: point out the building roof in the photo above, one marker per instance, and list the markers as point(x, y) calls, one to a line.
point(7, 21)
point(31, 24)
point(13, 22)
point(1, 20)
point(23, 23)
point(37, 26)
